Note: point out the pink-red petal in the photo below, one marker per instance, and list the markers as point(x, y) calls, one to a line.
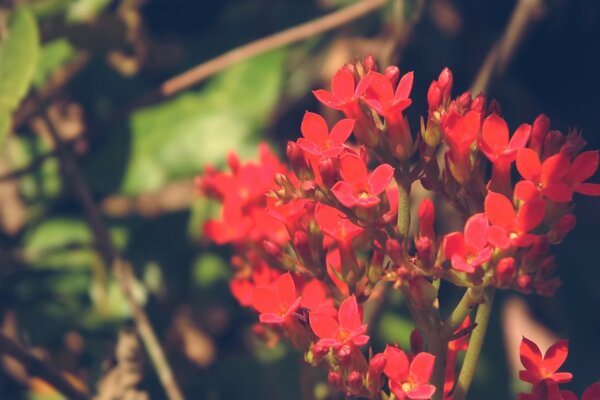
point(342, 131)
point(531, 214)
point(323, 325)
point(528, 164)
point(494, 132)
point(556, 355)
point(476, 230)
point(531, 356)
point(314, 128)
point(499, 209)
point(349, 316)
point(422, 367)
point(380, 178)
point(353, 168)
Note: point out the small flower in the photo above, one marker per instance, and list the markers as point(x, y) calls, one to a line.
point(494, 141)
point(346, 329)
point(470, 250)
point(359, 188)
point(538, 368)
point(276, 302)
point(318, 141)
point(409, 379)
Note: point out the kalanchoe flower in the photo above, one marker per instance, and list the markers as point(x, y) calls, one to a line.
point(509, 227)
point(470, 250)
point(538, 368)
point(500, 151)
point(547, 389)
point(409, 379)
point(460, 132)
point(277, 302)
point(318, 141)
point(359, 188)
point(592, 392)
point(557, 177)
point(346, 329)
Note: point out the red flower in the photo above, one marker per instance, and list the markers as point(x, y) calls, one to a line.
point(335, 224)
point(499, 150)
point(460, 132)
point(592, 392)
point(469, 250)
point(409, 379)
point(547, 389)
point(557, 177)
point(538, 368)
point(380, 95)
point(509, 227)
point(346, 329)
point(315, 294)
point(358, 187)
point(344, 95)
point(277, 302)
point(318, 141)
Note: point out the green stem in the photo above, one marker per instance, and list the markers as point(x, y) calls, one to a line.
point(459, 314)
point(403, 223)
point(475, 344)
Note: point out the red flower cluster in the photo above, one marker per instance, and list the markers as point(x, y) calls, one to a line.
point(312, 242)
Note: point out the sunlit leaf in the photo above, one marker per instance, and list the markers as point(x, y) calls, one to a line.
point(19, 48)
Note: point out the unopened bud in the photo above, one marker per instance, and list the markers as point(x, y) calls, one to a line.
point(233, 161)
point(424, 247)
point(554, 141)
point(393, 74)
point(505, 272)
point(344, 354)
point(434, 96)
point(525, 283)
point(271, 249)
point(539, 130)
point(296, 156)
point(478, 104)
point(335, 380)
point(328, 168)
point(355, 381)
point(377, 364)
point(445, 81)
point(369, 63)
point(463, 102)
point(426, 217)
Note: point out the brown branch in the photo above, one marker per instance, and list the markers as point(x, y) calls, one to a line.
point(288, 36)
point(122, 269)
point(39, 368)
point(500, 54)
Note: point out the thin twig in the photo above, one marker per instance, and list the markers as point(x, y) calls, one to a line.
point(285, 37)
point(39, 368)
point(122, 269)
point(501, 52)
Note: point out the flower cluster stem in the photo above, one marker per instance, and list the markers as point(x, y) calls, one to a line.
point(403, 222)
point(482, 319)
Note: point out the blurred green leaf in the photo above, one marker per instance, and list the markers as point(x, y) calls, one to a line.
point(179, 137)
point(54, 55)
point(209, 269)
point(48, 8)
point(395, 329)
point(86, 10)
point(19, 48)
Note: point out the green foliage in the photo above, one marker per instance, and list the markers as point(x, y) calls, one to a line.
point(178, 137)
point(209, 269)
point(19, 48)
point(54, 55)
point(394, 328)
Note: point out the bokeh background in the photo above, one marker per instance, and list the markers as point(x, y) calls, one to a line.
point(95, 74)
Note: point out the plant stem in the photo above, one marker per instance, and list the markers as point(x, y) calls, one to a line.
point(403, 222)
point(439, 347)
point(475, 344)
point(459, 314)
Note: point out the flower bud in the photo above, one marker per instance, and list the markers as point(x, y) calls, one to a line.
point(554, 141)
point(233, 161)
point(393, 74)
point(355, 381)
point(494, 108)
point(369, 63)
point(424, 247)
point(505, 272)
point(328, 168)
point(434, 96)
point(539, 130)
point(344, 354)
point(296, 156)
point(426, 217)
point(416, 341)
point(525, 283)
point(445, 81)
point(271, 249)
point(335, 380)
point(463, 102)
point(478, 104)
point(377, 364)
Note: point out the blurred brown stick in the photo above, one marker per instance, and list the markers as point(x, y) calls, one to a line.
point(285, 37)
point(497, 59)
point(40, 369)
point(123, 271)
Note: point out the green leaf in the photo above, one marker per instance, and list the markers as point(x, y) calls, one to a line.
point(86, 10)
point(177, 138)
point(395, 329)
point(209, 269)
point(19, 48)
point(54, 55)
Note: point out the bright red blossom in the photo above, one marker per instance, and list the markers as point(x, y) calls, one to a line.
point(470, 250)
point(347, 328)
point(318, 141)
point(409, 379)
point(538, 368)
point(276, 302)
point(359, 188)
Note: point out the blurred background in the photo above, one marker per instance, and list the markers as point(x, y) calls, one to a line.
point(90, 73)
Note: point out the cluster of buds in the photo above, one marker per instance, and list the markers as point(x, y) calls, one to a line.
point(313, 240)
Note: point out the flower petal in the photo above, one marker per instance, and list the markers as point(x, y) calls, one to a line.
point(530, 215)
point(327, 99)
point(286, 290)
point(353, 168)
point(348, 315)
point(476, 230)
point(589, 189)
point(341, 131)
point(454, 243)
point(314, 128)
point(397, 364)
point(404, 86)
point(494, 132)
point(528, 164)
point(380, 178)
point(324, 326)
point(556, 355)
point(265, 300)
point(421, 392)
point(531, 357)
point(422, 367)
point(499, 209)
point(342, 85)
point(344, 193)
point(520, 137)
